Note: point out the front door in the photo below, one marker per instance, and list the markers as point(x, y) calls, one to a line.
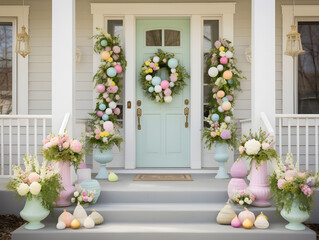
point(163, 139)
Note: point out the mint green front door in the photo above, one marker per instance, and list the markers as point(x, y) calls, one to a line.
point(163, 140)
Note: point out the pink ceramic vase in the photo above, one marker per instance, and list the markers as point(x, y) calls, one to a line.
point(66, 184)
point(238, 169)
point(235, 185)
point(259, 185)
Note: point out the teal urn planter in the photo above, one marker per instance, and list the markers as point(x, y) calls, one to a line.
point(103, 157)
point(221, 156)
point(33, 212)
point(295, 217)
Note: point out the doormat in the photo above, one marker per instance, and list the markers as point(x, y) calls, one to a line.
point(163, 177)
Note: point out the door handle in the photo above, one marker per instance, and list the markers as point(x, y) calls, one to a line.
point(186, 113)
point(139, 114)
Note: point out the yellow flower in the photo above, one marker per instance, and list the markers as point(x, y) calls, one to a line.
point(110, 59)
point(104, 134)
point(150, 70)
point(218, 133)
point(156, 64)
point(176, 74)
point(147, 63)
point(112, 83)
point(221, 49)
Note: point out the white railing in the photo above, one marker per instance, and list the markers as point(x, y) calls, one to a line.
point(267, 124)
point(298, 134)
point(20, 135)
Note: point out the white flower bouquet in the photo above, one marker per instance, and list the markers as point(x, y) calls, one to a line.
point(243, 197)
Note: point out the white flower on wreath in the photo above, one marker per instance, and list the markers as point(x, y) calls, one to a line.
point(222, 54)
point(246, 200)
point(252, 147)
point(241, 202)
point(76, 194)
point(35, 188)
point(23, 189)
point(104, 139)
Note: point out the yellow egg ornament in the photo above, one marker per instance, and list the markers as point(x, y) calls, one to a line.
point(109, 59)
point(247, 223)
point(105, 55)
point(226, 106)
point(227, 75)
point(220, 94)
point(75, 224)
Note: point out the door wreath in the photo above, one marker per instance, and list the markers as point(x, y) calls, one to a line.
point(162, 90)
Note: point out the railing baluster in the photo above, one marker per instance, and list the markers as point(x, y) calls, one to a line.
point(35, 132)
point(2, 148)
point(18, 138)
point(316, 142)
point(298, 142)
point(289, 135)
point(307, 144)
point(43, 128)
point(280, 137)
point(10, 146)
point(27, 136)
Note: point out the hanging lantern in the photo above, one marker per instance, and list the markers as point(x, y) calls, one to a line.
point(294, 46)
point(23, 43)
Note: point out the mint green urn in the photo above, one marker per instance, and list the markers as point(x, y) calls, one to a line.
point(33, 212)
point(295, 217)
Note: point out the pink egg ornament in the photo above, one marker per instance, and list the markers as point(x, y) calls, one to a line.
point(116, 49)
point(173, 78)
point(223, 60)
point(164, 84)
point(118, 68)
point(117, 111)
point(115, 57)
point(100, 88)
point(167, 92)
point(108, 49)
point(99, 113)
point(108, 126)
point(235, 222)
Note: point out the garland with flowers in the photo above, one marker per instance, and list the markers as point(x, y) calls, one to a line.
point(225, 80)
point(102, 130)
point(162, 90)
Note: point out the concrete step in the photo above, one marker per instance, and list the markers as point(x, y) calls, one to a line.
point(166, 212)
point(167, 231)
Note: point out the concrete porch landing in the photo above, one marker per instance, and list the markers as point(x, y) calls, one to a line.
point(158, 211)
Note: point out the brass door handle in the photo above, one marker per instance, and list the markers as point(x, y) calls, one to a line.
point(139, 114)
point(186, 113)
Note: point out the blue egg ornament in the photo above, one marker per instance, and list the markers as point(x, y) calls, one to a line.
point(230, 81)
point(105, 117)
point(102, 107)
point(172, 63)
point(156, 81)
point(151, 89)
point(104, 43)
point(215, 117)
point(171, 84)
point(225, 99)
point(111, 72)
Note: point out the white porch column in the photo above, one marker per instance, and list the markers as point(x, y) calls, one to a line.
point(263, 80)
point(63, 63)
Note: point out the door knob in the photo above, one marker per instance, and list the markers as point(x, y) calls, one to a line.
point(186, 113)
point(139, 114)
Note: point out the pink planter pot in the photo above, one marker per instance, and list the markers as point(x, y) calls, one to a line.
point(236, 184)
point(66, 183)
point(238, 169)
point(259, 185)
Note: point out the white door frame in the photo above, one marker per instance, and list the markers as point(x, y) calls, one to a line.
point(196, 12)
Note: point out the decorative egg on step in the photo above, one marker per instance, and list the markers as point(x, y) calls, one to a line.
point(89, 223)
point(113, 177)
point(235, 222)
point(75, 224)
point(247, 223)
point(60, 226)
point(246, 214)
point(79, 213)
point(262, 221)
point(66, 217)
point(226, 215)
point(97, 218)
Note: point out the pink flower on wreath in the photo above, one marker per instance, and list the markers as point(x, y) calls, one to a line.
point(85, 199)
point(108, 99)
point(252, 197)
point(241, 149)
point(164, 60)
point(152, 65)
point(97, 136)
point(47, 145)
point(97, 131)
point(216, 124)
point(219, 101)
point(55, 141)
point(84, 193)
point(301, 174)
point(33, 177)
point(230, 97)
point(66, 145)
point(280, 183)
point(214, 89)
point(225, 134)
point(218, 44)
point(306, 190)
point(76, 146)
point(117, 111)
point(213, 134)
point(214, 96)
point(112, 89)
point(45, 141)
point(104, 75)
point(289, 178)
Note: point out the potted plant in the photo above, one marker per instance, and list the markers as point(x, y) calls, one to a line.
point(40, 185)
point(224, 79)
point(243, 197)
point(293, 192)
point(64, 151)
point(101, 138)
point(258, 148)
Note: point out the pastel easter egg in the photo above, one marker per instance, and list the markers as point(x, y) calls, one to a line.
point(105, 117)
point(99, 113)
point(168, 92)
point(103, 42)
point(226, 106)
point(116, 49)
point(158, 88)
point(108, 126)
point(171, 84)
point(220, 94)
point(173, 78)
point(151, 89)
point(223, 60)
point(118, 68)
point(172, 63)
point(148, 77)
point(230, 81)
point(108, 111)
point(156, 81)
point(117, 111)
point(108, 49)
point(227, 75)
point(156, 59)
point(115, 57)
point(212, 72)
point(164, 84)
point(220, 67)
point(215, 117)
point(102, 107)
point(105, 55)
point(111, 72)
point(100, 88)
point(225, 99)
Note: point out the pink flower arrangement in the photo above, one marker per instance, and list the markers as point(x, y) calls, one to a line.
point(280, 183)
point(112, 89)
point(306, 190)
point(76, 146)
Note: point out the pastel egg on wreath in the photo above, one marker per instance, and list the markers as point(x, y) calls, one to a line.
point(164, 84)
point(117, 111)
point(156, 81)
point(230, 97)
point(110, 59)
point(156, 59)
point(171, 84)
point(168, 92)
point(220, 67)
point(105, 117)
point(148, 77)
point(105, 55)
point(99, 113)
point(173, 70)
point(151, 89)
point(173, 78)
point(108, 111)
point(172, 63)
point(168, 99)
point(111, 72)
point(225, 99)
point(229, 54)
point(227, 119)
point(212, 72)
point(115, 57)
point(100, 88)
point(226, 106)
point(118, 68)
point(103, 42)
point(102, 107)
point(220, 94)
point(112, 105)
point(158, 88)
point(108, 126)
point(220, 109)
point(108, 49)
point(116, 49)
point(227, 75)
point(230, 81)
point(215, 117)
point(223, 60)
